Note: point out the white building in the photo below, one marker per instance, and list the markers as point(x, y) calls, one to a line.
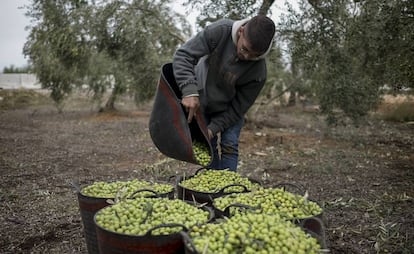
point(18, 80)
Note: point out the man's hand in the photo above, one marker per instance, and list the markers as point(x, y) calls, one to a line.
point(210, 134)
point(191, 105)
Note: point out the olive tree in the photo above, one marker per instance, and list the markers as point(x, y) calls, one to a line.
point(115, 45)
point(134, 38)
point(349, 49)
point(213, 10)
point(57, 46)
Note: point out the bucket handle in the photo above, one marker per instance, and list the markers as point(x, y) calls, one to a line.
point(166, 225)
point(175, 179)
point(314, 226)
point(189, 244)
point(296, 186)
point(76, 186)
point(239, 205)
point(199, 170)
point(255, 181)
point(144, 190)
point(233, 185)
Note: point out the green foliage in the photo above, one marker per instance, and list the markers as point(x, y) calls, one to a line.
point(348, 50)
point(213, 10)
point(56, 46)
point(118, 45)
point(14, 69)
point(97, 78)
point(277, 78)
point(395, 42)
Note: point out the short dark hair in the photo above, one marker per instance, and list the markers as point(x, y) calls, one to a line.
point(260, 31)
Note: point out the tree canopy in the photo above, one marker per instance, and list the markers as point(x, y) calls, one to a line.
point(102, 44)
point(212, 10)
point(351, 49)
point(341, 53)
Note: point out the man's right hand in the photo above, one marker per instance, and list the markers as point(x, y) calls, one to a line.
point(210, 134)
point(191, 105)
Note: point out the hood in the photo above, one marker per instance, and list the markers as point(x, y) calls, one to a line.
point(236, 25)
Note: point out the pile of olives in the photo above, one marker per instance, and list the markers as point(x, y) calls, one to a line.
point(213, 181)
point(125, 189)
point(271, 201)
point(201, 153)
point(137, 216)
point(252, 233)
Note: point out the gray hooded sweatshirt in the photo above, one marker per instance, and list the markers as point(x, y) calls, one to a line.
point(207, 65)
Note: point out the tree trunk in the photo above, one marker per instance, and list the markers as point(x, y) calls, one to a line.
point(292, 99)
point(294, 88)
point(264, 9)
point(110, 104)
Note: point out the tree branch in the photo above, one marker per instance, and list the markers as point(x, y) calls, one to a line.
point(265, 7)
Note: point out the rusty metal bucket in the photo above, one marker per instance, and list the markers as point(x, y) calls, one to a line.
point(168, 126)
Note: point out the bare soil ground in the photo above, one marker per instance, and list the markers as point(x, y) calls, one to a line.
point(363, 176)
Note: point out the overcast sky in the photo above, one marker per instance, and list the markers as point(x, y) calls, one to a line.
point(13, 34)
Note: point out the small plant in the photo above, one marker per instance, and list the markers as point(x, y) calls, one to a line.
point(388, 234)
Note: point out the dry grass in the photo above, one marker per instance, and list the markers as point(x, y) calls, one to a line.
point(363, 176)
point(21, 98)
point(398, 108)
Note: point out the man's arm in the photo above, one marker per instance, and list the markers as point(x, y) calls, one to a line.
point(186, 58)
point(244, 99)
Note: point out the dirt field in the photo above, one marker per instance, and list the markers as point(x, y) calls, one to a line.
point(363, 177)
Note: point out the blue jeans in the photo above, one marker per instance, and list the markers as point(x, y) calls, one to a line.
point(229, 148)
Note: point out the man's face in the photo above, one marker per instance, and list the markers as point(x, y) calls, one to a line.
point(244, 48)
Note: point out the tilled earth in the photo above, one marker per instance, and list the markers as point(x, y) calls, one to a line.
point(362, 176)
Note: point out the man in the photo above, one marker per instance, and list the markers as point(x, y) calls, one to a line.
point(222, 70)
